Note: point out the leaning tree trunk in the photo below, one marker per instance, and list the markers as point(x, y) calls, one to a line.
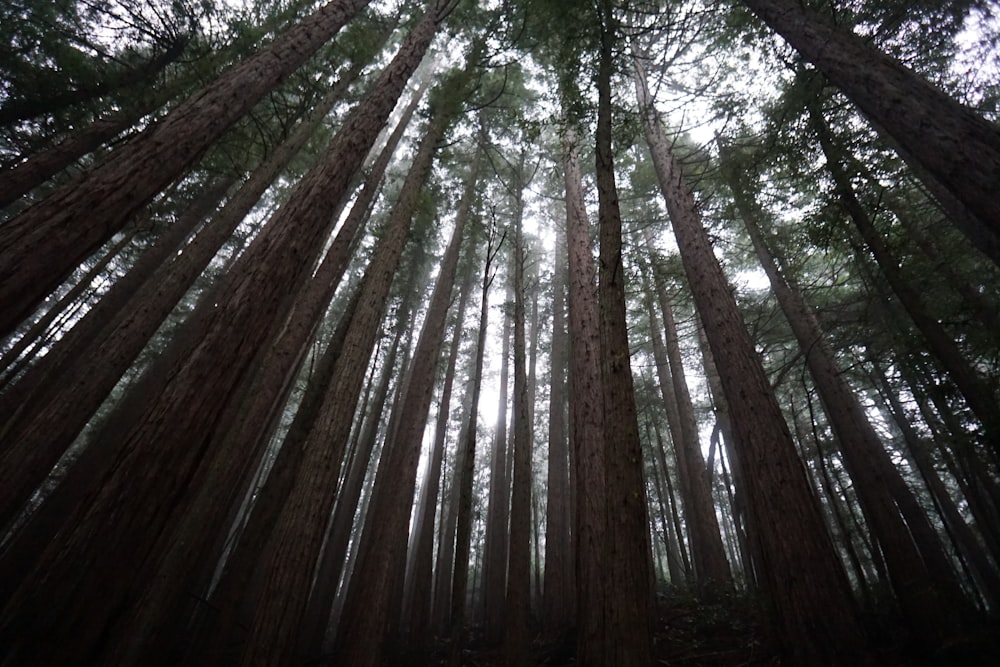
point(371, 606)
point(811, 599)
point(981, 398)
point(418, 590)
point(93, 355)
point(295, 546)
point(137, 497)
point(918, 567)
point(708, 554)
point(39, 247)
point(955, 152)
point(629, 609)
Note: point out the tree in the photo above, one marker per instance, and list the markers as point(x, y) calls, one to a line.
point(254, 292)
point(955, 151)
point(41, 245)
point(818, 623)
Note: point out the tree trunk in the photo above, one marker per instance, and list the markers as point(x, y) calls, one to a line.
point(952, 148)
point(137, 498)
point(288, 566)
point(818, 622)
point(918, 567)
point(494, 572)
point(465, 458)
point(586, 418)
point(708, 554)
point(982, 400)
point(418, 594)
point(517, 610)
point(629, 612)
point(39, 247)
point(558, 604)
point(371, 608)
point(120, 325)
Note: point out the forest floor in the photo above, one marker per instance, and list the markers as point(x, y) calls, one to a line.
point(730, 632)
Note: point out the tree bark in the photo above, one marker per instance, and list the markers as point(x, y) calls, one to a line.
point(517, 610)
point(39, 247)
point(918, 567)
point(812, 605)
point(629, 614)
point(976, 390)
point(137, 499)
point(586, 408)
point(465, 458)
point(955, 152)
point(558, 600)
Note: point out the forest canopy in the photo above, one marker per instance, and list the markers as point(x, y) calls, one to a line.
point(429, 332)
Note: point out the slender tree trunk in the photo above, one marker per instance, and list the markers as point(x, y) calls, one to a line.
point(39, 335)
point(137, 498)
point(465, 459)
point(517, 611)
point(39, 247)
point(371, 608)
point(558, 603)
point(955, 152)
point(919, 569)
point(709, 556)
point(818, 622)
point(418, 595)
point(288, 566)
point(494, 570)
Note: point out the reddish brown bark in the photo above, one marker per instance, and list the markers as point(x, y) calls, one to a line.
point(39, 247)
point(137, 498)
point(812, 604)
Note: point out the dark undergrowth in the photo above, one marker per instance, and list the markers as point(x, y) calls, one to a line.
point(731, 631)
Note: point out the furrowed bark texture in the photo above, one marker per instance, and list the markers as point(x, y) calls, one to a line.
point(952, 147)
point(287, 569)
point(39, 247)
point(137, 500)
point(812, 606)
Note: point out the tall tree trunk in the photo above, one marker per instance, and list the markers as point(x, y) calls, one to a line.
point(494, 571)
point(418, 595)
point(51, 411)
point(517, 610)
point(982, 400)
point(586, 408)
point(39, 247)
point(287, 567)
point(955, 152)
point(707, 552)
point(465, 458)
point(371, 607)
point(918, 567)
point(817, 622)
point(629, 612)
point(558, 600)
point(136, 499)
